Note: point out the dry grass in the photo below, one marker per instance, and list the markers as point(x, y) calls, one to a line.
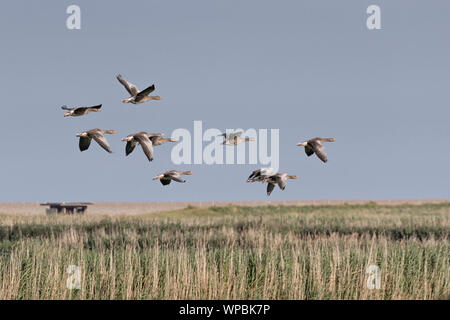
point(272, 252)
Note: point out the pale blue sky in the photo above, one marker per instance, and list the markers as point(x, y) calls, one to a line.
point(308, 68)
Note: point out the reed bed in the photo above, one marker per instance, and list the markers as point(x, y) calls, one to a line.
point(271, 252)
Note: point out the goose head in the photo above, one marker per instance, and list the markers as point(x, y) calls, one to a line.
point(302, 144)
point(158, 177)
point(129, 138)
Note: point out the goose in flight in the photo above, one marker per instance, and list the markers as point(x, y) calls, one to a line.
point(280, 179)
point(80, 111)
point(260, 175)
point(234, 138)
point(136, 95)
point(97, 135)
point(315, 145)
point(144, 140)
point(174, 175)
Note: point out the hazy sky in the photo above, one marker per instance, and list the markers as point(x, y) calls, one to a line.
point(307, 68)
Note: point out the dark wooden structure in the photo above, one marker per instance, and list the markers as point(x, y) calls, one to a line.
point(66, 207)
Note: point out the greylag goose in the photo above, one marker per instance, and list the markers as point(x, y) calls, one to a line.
point(260, 175)
point(144, 140)
point(80, 111)
point(278, 178)
point(234, 138)
point(315, 145)
point(174, 175)
point(136, 95)
point(97, 135)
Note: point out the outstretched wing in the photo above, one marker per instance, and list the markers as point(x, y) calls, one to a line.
point(145, 92)
point(130, 147)
point(79, 111)
point(319, 149)
point(131, 88)
point(165, 181)
point(64, 107)
point(84, 143)
point(146, 145)
point(101, 140)
point(96, 107)
point(270, 187)
point(309, 150)
point(177, 178)
point(254, 175)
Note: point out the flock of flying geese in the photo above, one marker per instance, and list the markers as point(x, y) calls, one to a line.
point(148, 140)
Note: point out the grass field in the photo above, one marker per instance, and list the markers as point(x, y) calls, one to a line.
point(232, 252)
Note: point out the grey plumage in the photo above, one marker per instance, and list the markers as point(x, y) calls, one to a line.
point(315, 145)
point(170, 175)
point(79, 111)
point(96, 134)
point(144, 139)
point(137, 96)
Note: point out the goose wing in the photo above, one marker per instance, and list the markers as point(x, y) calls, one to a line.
point(79, 111)
point(172, 172)
point(262, 175)
point(145, 92)
point(175, 175)
point(84, 143)
point(177, 178)
point(64, 107)
point(95, 107)
point(130, 146)
point(131, 88)
point(254, 175)
point(309, 150)
point(319, 149)
point(101, 140)
point(165, 181)
point(270, 187)
point(146, 145)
